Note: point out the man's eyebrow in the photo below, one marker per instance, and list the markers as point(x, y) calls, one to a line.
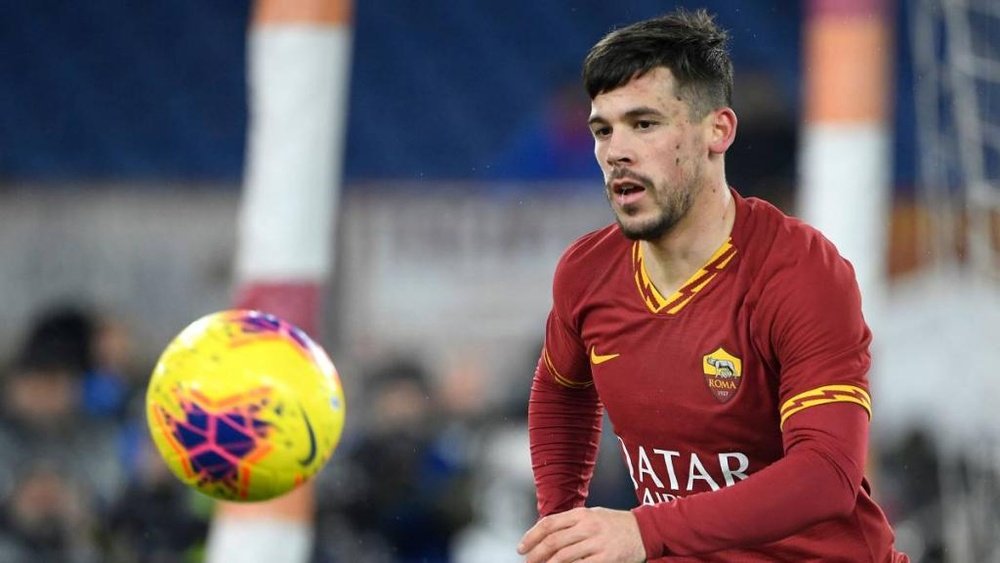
point(642, 112)
point(597, 120)
point(632, 114)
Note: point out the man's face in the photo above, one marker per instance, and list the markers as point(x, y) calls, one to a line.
point(651, 153)
point(42, 397)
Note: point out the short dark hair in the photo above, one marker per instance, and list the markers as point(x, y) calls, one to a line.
point(690, 44)
point(60, 338)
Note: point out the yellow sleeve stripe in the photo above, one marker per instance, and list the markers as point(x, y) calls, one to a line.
point(824, 395)
point(560, 379)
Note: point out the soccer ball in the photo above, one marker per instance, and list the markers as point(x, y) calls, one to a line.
point(244, 406)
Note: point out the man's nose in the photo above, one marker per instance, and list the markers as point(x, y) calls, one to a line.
point(620, 151)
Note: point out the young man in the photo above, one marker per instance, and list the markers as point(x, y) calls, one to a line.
point(724, 339)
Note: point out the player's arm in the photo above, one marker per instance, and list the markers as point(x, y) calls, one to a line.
point(818, 479)
point(564, 421)
point(810, 317)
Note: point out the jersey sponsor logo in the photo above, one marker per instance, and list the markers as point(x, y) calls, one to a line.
point(663, 475)
point(598, 359)
point(723, 374)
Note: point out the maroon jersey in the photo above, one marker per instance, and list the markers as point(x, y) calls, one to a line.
point(712, 385)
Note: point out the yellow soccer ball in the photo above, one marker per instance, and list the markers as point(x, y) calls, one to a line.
point(244, 406)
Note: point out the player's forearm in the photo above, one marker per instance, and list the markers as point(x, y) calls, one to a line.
point(817, 480)
point(771, 505)
point(564, 429)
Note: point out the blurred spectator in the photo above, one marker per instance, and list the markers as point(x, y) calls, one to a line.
point(763, 159)
point(79, 478)
point(399, 488)
point(110, 385)
point(503, 492)
point(553, 144)
point(60, 467)
point(503, 497)
point(157, 519)
point(45, 518)
point(911, 469)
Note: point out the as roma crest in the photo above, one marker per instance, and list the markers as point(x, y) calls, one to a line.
point(723, 373)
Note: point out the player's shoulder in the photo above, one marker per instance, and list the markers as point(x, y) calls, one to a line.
point(781, 238)
point(589, 255)
point(778, 242)
point(596, 244)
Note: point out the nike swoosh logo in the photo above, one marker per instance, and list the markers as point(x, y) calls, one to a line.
point(596, 358)
point(312, 440)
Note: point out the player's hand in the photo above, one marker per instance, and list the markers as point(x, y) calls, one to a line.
point(595, 535)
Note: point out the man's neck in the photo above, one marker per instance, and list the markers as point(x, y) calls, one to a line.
point(676, 256)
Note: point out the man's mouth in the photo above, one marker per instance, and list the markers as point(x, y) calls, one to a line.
point(626, 192)
point(627, 188)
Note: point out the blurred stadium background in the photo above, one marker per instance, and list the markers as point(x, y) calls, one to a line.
point(439, 151)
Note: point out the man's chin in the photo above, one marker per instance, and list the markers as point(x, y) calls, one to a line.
point(641, 230)
point(636, 232)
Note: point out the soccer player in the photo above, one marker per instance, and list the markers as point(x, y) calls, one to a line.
point(725, 340)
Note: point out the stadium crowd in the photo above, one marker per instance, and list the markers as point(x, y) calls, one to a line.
point(429, 474)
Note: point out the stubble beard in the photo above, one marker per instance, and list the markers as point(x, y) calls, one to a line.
point(673, 206)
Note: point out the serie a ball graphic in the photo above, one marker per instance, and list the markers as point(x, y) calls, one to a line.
point(244, 406)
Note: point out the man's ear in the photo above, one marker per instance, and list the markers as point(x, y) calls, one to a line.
point(722, 129)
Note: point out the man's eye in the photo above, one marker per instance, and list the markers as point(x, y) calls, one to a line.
point(602, 131)
point(644, 124)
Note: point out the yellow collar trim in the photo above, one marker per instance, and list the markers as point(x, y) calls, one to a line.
point(652, 297)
